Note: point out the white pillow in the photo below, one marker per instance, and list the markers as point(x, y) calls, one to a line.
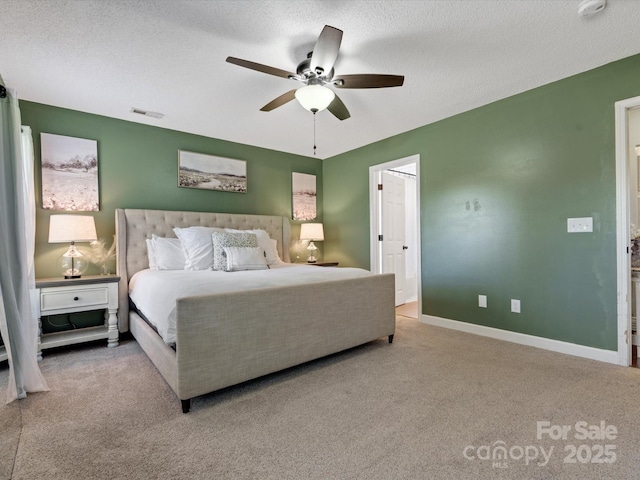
point(269, 245)
point(197, 246)
point(272, 252)
point(245, 258)
point(168, 252)
point(151, 254)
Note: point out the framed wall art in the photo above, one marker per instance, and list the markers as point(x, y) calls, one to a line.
point(69, 173)
point(303, 187)
point(197, 170)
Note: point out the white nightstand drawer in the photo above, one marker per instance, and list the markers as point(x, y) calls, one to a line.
point(59, 297)
point(85, 297)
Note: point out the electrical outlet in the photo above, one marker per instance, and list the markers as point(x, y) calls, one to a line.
point(580, 225)
point(482, 301)
point(515, 306)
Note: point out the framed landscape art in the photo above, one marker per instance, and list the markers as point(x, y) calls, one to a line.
point(303, 187)
point(197, 170)
point(69, 173)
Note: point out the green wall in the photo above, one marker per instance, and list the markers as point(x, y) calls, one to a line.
point(497, 185)
point(138, 167)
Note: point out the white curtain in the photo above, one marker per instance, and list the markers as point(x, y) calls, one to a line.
point(18, 321)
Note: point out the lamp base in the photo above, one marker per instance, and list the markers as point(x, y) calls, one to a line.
point(312, 252)
point(73, 263)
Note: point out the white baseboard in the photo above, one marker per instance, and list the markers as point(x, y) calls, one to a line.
point(608, 356)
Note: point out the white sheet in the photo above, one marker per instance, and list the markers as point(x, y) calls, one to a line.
point(154, 292)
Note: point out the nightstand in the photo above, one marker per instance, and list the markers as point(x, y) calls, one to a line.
point(325, 264)
point(92, 292)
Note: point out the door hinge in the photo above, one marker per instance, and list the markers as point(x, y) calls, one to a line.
point(379, 186)
point(379, 238)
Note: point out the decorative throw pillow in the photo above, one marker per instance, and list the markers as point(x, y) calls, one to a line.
point(245, 258)
point(197, 246)
point(168, 252)
point(227, 239)
point(265, 242)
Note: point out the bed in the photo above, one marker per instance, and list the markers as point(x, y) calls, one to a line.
point(222, 339)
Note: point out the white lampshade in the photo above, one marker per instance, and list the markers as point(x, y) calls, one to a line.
point(311, 231)
point(638, 150)
point(71, 228)
point(315, 98)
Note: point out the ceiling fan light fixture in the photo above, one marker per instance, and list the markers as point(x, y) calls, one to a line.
point(315, 98)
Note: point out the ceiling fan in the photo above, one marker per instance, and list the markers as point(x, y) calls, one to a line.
point(316, 72)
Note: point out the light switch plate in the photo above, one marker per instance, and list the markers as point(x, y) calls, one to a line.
point(482, 301)
point(515, 306)
point(580, 225)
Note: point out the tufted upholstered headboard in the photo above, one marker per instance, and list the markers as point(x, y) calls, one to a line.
point(134, 227)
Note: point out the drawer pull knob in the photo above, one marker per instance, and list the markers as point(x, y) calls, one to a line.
point(76, 298)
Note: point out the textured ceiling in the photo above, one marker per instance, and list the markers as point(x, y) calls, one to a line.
point(106, 57)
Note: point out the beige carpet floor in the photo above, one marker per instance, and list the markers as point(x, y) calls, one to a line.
point(409, 309)
point(410, 410)
point(10, 426)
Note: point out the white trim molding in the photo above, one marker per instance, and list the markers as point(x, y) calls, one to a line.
point(592, 353)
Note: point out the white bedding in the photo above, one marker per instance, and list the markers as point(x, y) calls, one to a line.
point(154, 292)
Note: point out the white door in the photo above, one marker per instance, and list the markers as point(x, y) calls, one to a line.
point(393, 231)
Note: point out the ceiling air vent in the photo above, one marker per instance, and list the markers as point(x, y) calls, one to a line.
point(146, 113)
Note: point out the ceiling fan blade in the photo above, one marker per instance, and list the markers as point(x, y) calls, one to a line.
point(338, 109)
point(281, 100)
point(260, 68)
point(326, 50)
point(368, 80)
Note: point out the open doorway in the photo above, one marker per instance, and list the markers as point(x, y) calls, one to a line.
point(634, 216)
point(627, 206)
point(395, 234)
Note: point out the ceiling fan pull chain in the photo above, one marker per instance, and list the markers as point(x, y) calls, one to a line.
point(314, 133)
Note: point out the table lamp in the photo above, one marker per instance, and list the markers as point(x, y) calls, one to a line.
point(72, 228)
point(312, 232)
